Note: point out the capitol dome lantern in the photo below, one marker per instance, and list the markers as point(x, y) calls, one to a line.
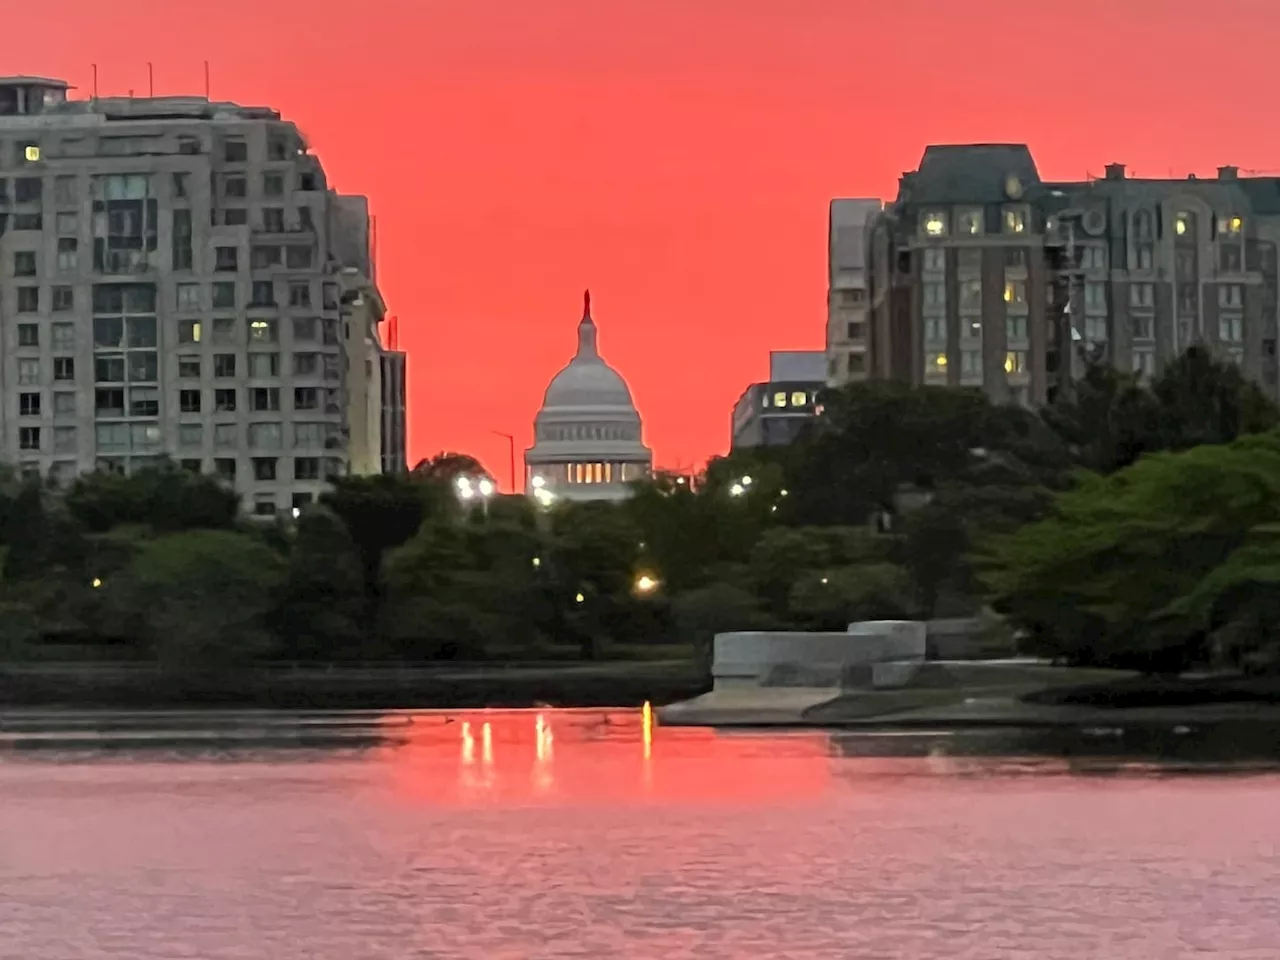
point(588, 435)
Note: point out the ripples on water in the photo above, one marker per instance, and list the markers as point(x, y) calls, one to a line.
point(576, 835)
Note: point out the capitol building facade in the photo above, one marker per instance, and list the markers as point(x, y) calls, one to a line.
point(588, 436)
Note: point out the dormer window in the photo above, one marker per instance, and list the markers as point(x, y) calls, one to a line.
point(934, 223)
point(1015, 219)
point(1231, 225)
point(969, 222)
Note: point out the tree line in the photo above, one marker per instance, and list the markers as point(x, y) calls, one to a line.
point(1129, 523)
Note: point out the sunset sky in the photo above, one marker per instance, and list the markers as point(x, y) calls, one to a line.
point(675, 156)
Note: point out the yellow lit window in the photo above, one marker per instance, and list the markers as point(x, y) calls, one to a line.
point(935, 224)
point(1015, 220)
point(799, 399)
point(608, 473)
point(597, 472)
point(1015, 361)
point(779, 399)
point(32, 153)
point(1230, 225)
point(195, 332)
point(1015, 291)
point(1180, 224)
point(940, 361)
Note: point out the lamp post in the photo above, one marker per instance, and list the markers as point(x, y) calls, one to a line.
point(511, 456)
point(469, 490)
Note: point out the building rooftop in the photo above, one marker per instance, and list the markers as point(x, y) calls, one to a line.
point(969, 173)
point(22, 81)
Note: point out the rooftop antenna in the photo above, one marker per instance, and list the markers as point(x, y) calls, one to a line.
point(95, 81)
point(151, 79)
point(206, 79)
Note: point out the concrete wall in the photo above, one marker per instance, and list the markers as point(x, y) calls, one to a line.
point(754, 657)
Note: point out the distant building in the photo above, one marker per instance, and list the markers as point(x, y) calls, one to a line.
point(394, 427)
point(587, 437)
point(982, 274)
point(847, 344)
point(774, 412)
point(178, 281)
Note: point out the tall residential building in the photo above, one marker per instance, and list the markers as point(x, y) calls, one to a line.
point(983, 274)
point(847, 226)
point(172, 284)
point(776, 411)
point(393, 427)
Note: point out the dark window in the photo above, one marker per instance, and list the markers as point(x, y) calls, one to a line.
point(225, 467)
point(235, 216)
point(273, 219)
point(260, 258)
point(24, 263)
point(109, 403)
point(306, 398)
point(264, 508)
point(299, 295)
point(189, 367)
point(29, 438)
point(224, 401)
point(224, 364)
point(28, 299)
point(189, 401)
point(306, 468)
point(64, 368)
point(264, 468)
point(27, 189)
point(28, 335)
point(272, 184)
point(235, 151)
point(182, 254)
point(263, 294)
point(262, 399)
point(298, 258)
point(29, 404)
point(226, 259)
point(224, 294)
point(308, 181)
point(64, 299)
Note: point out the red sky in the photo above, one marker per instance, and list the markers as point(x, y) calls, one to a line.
point(676, 156)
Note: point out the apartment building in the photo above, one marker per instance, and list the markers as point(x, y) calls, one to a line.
point(847, 225)
point(982, 274)
point(172, 285)
point(394, 420)
point(774, 412)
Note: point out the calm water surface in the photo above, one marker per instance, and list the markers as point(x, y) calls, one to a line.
point(506, 836)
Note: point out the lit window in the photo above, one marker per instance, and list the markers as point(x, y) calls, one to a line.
point(935, 224)
point(32, 153)
point(1181, 223)
point(799, 398)
point(1015, 361)
point(1015, 220)
point(940, 361)
point(1015, 291)
point(1231, 225)
point(779, 399)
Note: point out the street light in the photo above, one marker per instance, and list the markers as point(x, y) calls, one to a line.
point(469, 490)
point(737, 490)
point(646, 584)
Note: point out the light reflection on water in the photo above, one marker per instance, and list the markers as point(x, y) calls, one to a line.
point(590, 834)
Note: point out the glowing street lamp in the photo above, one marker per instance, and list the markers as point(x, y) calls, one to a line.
point(737, 490)
point(646, 584)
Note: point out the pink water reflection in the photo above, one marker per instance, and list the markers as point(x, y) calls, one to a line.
point(566, 756)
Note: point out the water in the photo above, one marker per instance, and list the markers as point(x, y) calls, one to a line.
point(574, 835)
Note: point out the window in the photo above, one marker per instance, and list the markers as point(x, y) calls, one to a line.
point(780, 399)
point(226, 436)
point(224, 401)
point(1015, 328)
point(969, 222)
point(1231, 328)
point(304, 329)
point(28, 438)
point(308, 435)
point(277, 148)
point(108, 369)
point(68, 254)
point(264, 399)
point(64, 336)
point(224, 294)
point(1231, 225)
point(1230, 259)
point(848, 298)
point(65, 190)
point(1230, 295)
point(112, 436)
point(188, 296)
point(799, 398)
point(306, 398)
point(28, 221)
point(64, 299)
point(1093, 258)
point(28, 335)
point(262, 331)
point(109, 402)
point(1144, 362)
point(273, 219)
point(971, 363)
point(1015, 293)
point(28, 299)
point(1181, 223)
point(1015, 362)
point(970, 295)
point(189, 331)
point(181, 189)
point(264, 468)
point(935, 258)
point(299, 294)
point(855, 330)
point(191, 435)
point(183, 255)
point(144, 435)
point(28, 372)
point(1015, 219)
point(142, 332)
point(264, 505)
point(27, 189)
point(189, 367)
point(226, 259)
point(262, 294)
point(1140, 327)
point(24, 263)
point(235, 151)
point(1015, 257)
point(306, 364)
point(28, 404)
point(1095, 329)
point(306, 468)
point(1142, 295)
point(1144, 256)
point(261, 258)
point(935, 295)
point(67, 224)
point(225, 467)
point(935, 328)
point(224, 364)
point(1095, 296)
point(189, 401)
point(64, 440)
point(305, 221)
point(264, 436)
point(235, 216)
point(972, 328)
point(144, 402)
point(264, 364)
point(933, 223)
point(64, 368)
point(298, 258)
point(273, 184)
